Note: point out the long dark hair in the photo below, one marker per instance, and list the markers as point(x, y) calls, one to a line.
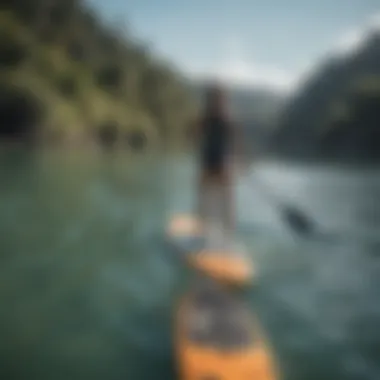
point(215, 102)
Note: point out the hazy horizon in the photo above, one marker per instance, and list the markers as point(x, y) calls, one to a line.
point(255, 43)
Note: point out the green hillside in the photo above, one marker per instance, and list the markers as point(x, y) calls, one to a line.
point(66, 77)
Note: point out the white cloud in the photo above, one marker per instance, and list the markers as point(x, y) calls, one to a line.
point(348, 42)
point(351, 40)
point(235, 68)
point(244, 72)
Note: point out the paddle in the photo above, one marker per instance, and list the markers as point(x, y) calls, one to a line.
point(293, 217)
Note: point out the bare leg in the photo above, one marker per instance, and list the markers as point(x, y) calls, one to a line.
point(229, 209)
point(227, 203)
point(202, 196)
point(206, 187)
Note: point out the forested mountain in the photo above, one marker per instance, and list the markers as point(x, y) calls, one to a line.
point(66, 76)
point(336, 115)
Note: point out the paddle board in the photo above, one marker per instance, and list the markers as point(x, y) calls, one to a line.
point(208, 250)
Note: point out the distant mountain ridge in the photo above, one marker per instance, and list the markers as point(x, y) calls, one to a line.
point(249, 102)
point(255, 109)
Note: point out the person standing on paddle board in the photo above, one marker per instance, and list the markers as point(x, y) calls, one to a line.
point(216, 139)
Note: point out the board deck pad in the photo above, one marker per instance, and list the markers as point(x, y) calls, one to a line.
point(207, 248)
point(217, 319)
point(219, 337)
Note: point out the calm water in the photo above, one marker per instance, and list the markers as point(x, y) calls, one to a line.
point(87, 285)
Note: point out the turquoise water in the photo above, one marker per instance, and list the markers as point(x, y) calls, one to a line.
point(88, 285)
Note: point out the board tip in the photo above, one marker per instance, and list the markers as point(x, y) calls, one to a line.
point(226, 268)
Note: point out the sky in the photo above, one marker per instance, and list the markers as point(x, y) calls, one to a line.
point(253, 42)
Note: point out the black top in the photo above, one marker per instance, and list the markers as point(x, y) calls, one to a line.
point(214, 141)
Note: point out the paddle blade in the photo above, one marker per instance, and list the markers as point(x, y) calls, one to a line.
point(299, 222)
